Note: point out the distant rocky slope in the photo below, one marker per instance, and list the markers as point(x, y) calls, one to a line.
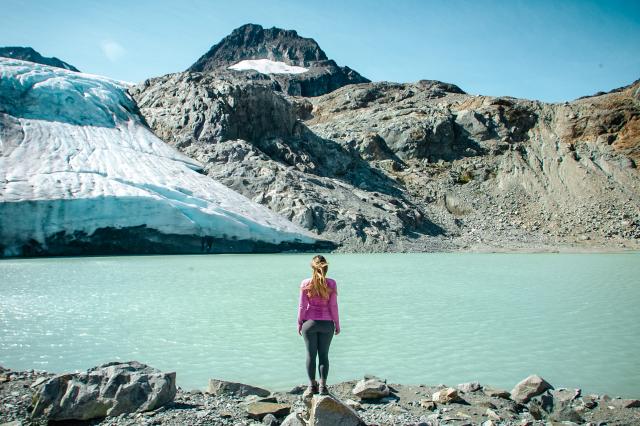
point(28, 54)
point(80, 173)
point(254, 42)
point(415, 166)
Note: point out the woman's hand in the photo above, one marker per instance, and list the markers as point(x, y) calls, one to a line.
point(300, 329)
point(337, 331)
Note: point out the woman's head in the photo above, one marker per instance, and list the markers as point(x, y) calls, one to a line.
point(318, 284)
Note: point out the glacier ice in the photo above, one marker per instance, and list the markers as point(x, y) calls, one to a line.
point(76, 157)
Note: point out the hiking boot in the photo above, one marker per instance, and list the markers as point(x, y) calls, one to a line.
point(311, 390)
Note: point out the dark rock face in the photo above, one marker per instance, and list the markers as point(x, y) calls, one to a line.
point(254, 42)
point(28, 54)
point(251, 41)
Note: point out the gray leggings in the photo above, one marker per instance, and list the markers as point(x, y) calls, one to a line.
point(317, 337)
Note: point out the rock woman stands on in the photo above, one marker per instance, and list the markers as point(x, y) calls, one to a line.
point(318, 320)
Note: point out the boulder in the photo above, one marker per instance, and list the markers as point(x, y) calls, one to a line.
point(528, 388)
point(222, 387)
point(469, 387)
point(270, 420)
point(328, 411)
point(563, 394)
point(293, 419)
point(566, 413)
point(107, 390)
point(370, 389)
point(428, 404)
point(445, 396)
point(258, 410)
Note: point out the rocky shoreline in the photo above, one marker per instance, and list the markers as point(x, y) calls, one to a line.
point(136, 394)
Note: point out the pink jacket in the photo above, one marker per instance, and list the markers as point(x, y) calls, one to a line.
point(317, 308)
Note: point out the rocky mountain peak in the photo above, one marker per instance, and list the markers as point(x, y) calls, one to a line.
point(29, 54)
point(251, 41)
point(273, 52)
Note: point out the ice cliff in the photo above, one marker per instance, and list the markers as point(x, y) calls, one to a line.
point(81, 173)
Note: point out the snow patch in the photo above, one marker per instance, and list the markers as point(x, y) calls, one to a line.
point(267, 66)
point(75, 156)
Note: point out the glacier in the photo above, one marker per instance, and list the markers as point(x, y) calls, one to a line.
point(81, 173)
point(267, 66)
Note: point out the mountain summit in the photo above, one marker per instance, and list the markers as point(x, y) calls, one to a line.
point(297, 64)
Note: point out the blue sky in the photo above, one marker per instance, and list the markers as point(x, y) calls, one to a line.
point(548, 50)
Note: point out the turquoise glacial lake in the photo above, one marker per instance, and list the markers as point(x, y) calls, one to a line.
point(447, 318)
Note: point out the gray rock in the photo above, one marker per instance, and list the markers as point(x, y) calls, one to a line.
point(428, 404)
point(496, 393)
point(298, 389)
point(370, 389)
point(566, 413)
point(528, 388)
point(293, 419)
point(326, 410)
point(564, 395)
point(270, 420)
point(469, 387)
point(107, 390)
point(222, 387)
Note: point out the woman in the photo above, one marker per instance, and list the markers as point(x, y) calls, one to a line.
point(318, 320)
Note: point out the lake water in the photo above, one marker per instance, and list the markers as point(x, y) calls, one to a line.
point(574, 319)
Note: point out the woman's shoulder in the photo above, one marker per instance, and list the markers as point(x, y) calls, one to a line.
point(331, 283)
point(305, 282)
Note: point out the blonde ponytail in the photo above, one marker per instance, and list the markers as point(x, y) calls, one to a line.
point(318, 284)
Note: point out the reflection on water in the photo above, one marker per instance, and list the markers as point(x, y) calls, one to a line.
point(411, 318)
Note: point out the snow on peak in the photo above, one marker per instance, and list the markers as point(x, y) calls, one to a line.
point(267, 66)
point(76, 157)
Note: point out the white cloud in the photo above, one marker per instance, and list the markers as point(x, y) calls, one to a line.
point(112, 50)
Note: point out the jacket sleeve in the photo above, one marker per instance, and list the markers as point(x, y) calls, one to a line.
point(304, 300)
point(333, 307)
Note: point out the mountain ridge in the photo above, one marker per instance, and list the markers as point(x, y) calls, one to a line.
point(31, 55)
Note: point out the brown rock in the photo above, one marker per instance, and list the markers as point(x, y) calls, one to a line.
point(257, 410)
point(428, 404)
point(528, 388)
point(496, 393)
point(328, 411)
point(370, 389)
point(445, 396)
